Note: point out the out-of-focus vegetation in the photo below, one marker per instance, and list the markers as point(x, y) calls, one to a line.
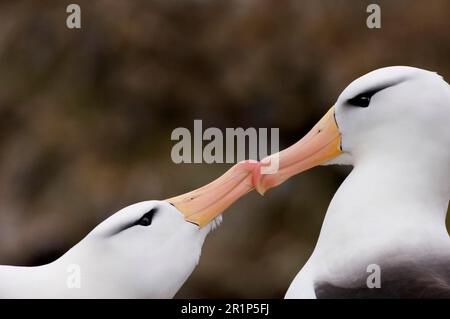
point(86, 115)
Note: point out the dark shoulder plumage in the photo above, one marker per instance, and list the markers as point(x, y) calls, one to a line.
point(427, 279)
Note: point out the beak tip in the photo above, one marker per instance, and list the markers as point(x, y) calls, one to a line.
point(260, 189)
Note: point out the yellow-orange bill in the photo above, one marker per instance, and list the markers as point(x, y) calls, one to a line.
point(321, 144)
point(203, 204)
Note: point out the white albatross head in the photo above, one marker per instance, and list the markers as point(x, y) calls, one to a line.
point(145, 250)
point(394, 111)
point(399, 112)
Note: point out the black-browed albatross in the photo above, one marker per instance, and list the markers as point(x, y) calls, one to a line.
point(393, 126)
point(146, 250)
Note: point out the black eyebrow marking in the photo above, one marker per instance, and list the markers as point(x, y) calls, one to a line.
point(151, 212)
point(371, 92)
point(154, 210)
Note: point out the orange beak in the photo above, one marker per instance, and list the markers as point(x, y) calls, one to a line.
point(204, 204)
point(321, 144)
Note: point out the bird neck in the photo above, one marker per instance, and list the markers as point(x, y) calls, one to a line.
point(385, 200)
point(28, 282)
point(62, 278)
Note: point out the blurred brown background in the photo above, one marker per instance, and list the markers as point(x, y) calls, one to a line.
point(86, 115)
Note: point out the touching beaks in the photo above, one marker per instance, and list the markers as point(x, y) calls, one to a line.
point(204, 204)
point(321, 144)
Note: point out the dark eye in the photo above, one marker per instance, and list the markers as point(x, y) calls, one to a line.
point(146, 220)
point(361, 100)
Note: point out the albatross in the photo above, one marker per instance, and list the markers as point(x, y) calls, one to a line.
point(388, 217)
point(145, 250)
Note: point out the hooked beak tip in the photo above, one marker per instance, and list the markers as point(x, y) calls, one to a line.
point(260, 189)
